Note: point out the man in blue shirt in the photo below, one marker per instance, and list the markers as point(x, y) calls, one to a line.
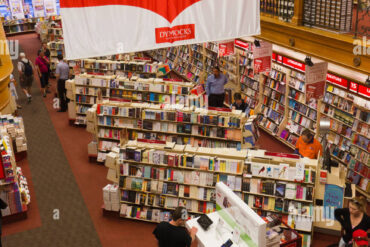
point(215, 88)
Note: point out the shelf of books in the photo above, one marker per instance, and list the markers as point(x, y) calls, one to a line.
point(14, 188)
point(284, 110)
point(21, 26)
point(55, 34)
point(249, 82)
point(285, 187)
point(179, 123)
point(85, 89)
point(156, 177)
point(346, 105)
point(56, 48)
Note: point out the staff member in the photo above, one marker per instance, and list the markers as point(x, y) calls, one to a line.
point(308, 146)
point(173, 233)
point(215, 88)
point(62, 74)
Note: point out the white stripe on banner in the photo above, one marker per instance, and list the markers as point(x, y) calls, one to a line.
point(113, 29)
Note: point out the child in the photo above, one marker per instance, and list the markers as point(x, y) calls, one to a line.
point(12, 89)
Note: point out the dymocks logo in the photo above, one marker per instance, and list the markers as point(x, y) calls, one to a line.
point(169, 9)
point(176, 33)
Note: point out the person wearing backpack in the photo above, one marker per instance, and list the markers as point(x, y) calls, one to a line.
point(42, 70)
point(25, 69)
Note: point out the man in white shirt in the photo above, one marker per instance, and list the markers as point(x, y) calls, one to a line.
point(25, 69)
point(62, 74)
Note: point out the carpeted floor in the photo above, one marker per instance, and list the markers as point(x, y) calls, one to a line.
point(55, 185)
point(65, 180)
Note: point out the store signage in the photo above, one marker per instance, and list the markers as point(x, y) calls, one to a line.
point(337, 80)
point(333, 198)
point(241, 44)
point(262, 56)
point(315, 83)
point(16, 8)
point(167, 23)
point(364, 91)
point(50, 7)
point(226, 49)
point(274, 56)
point(353, 87)
point(279, 59)
point(38, 8)
point(173, 34)
point(294, 64)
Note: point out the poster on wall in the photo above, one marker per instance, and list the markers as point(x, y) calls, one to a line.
point(262, 57)
point(333, 199)
point(38, 8)
point(153, 24)
point(315, 83)
point(16, 8)
point(50, 7)
point(226, 49)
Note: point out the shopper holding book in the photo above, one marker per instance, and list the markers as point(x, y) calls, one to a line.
point(215, 88)
point(173, 233)
point(42, 70)
point(308, 146)
point(62, 74)
point(352, 219)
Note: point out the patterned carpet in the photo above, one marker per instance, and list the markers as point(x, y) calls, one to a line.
point(55, 185)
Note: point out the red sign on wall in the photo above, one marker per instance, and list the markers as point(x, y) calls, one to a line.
point(241, 44)
point(294, 64)
point(337, 80)
point(364, 91)
point(353, 87)
point(226, 49)
point(274, 56)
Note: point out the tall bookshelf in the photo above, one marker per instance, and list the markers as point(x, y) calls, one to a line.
point(171, 123)
point(155, 178)
point(12, 27)
point(346, 106)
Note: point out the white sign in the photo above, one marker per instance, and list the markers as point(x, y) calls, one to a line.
point(38, 8)
point(101, 28)
point(16, 7)
point(50, 7)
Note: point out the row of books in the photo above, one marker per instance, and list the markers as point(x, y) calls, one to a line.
point(281, 171)
point(179, 176)
point(277, 189)
point(274, 115)
point(139, 67)
point(301, 120)
point(332, 112)
point(268, 124)
point(274, 84)
point(290, 136)
point(144, 213)
point(274, 105)
point(301, 108)
point(200, 162)
point(275, 95)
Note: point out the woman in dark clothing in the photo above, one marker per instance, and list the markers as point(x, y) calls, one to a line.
point(352, 218)
point(3, 205)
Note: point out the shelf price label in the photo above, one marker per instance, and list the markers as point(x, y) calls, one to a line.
point(241, 44)
point(294, 64)
point(353, 87)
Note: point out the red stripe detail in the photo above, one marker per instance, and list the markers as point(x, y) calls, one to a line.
point(169, 9)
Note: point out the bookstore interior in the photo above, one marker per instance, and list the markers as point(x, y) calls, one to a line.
point(255, 125)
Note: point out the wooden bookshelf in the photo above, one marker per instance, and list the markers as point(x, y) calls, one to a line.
point(180, 124)
point(180, 192)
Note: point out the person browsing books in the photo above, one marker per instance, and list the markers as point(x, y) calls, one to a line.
point(173, 233)
point(215, 88)
point(308, 146)
point(352, 219)
point(42, 70)
point(239, 104)
point(62, 74)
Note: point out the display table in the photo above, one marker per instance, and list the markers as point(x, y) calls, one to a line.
point(211, 237)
